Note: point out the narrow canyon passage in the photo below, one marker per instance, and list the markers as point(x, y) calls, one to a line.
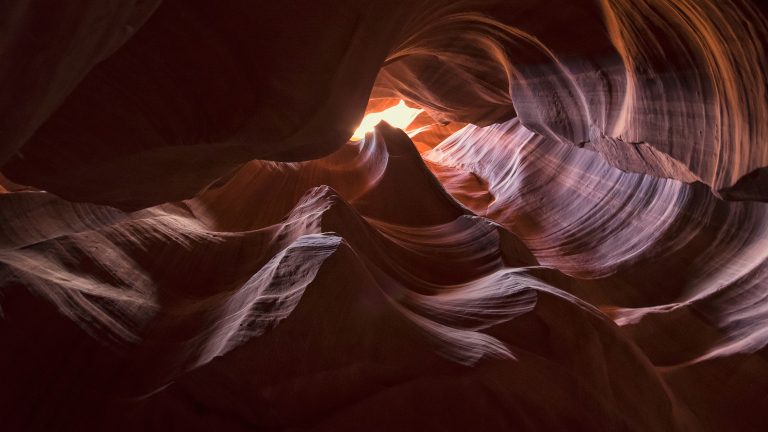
point(331, 215)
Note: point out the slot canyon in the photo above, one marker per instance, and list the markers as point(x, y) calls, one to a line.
point(384, 215)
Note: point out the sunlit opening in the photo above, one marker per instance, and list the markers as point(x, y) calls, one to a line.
point(399, 116)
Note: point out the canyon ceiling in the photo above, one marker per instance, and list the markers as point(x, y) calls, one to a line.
point(569, 232)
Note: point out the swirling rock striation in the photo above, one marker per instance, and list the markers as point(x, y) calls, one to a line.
point(572, 235)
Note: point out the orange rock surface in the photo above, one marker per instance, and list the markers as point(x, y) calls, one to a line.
point(571, 234)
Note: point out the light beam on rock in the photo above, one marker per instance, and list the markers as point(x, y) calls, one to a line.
point(399, 116)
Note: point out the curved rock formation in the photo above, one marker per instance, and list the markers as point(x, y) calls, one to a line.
point(571, 235)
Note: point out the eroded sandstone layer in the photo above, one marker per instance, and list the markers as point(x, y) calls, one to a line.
point(572, 233)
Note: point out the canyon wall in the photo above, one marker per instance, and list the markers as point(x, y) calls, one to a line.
point(572, 235)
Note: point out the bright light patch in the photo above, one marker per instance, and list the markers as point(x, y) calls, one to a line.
point(399, 116)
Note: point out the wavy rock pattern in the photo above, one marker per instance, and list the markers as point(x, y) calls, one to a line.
point(660, 257)
point(571, 236)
